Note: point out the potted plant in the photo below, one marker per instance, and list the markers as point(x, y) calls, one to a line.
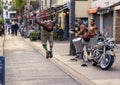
point(33, 36)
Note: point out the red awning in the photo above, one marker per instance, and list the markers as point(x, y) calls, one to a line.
point(93, 10)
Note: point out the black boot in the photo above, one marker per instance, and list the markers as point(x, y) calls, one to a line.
point(50, 54)
point(47, 54)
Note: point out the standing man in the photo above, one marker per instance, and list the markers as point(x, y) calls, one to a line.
point(93, 32)
point(46, 34)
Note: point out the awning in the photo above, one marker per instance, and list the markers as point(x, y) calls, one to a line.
point(59, 8)
point(93, 10)
point(104, 10)
point(62, 9)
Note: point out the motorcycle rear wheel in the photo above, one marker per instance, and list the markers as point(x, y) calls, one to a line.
point(107, 62)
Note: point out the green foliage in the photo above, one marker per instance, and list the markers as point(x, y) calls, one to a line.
point(1, 20)
point(33, 36)
point(1, 6)
point(5, 7)
point(19, 4)
point(13, 8)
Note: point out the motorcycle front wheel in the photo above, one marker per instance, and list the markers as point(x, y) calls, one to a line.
point(106, 62)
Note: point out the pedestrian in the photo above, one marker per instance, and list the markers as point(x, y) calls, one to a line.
point(2, 30)
point(8, 28)
point(16, 27)
point(82, 35)
point(46, 34)
point(12, 27)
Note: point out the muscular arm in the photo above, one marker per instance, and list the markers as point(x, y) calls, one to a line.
point(82, 28)
point(93, 31)
point(39, 23)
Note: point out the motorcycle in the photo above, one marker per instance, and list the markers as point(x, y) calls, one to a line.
point(103, 53)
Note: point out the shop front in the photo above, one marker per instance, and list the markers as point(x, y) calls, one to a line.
point(104, 19)
point(63, 19)
point(117, 24)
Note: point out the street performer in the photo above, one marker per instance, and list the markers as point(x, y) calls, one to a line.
point(83, 39)
point(46, 34)
point(93, 33)
point(86, 38)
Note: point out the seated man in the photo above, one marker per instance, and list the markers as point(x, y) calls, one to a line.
point(84, 41)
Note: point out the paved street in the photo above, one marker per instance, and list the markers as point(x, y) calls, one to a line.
point(26, 66)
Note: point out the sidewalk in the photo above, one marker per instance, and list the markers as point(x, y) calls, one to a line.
point(1, 45)
point(26, 66)
point(89, 75)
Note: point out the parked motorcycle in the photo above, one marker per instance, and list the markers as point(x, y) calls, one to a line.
point(103, 53)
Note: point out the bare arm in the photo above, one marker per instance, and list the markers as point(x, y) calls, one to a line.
point(82, 28)
point(93, 31)
point(39, 23)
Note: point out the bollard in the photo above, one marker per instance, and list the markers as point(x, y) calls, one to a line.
point(2, 70)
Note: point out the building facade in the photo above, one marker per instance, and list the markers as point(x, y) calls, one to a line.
point(45, 4)
point(7, 14)
point(62, 8)
point(107, 17)
point(81, 7)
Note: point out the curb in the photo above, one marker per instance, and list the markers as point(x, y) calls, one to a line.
point(80, 78)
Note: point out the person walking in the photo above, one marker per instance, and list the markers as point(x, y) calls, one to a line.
point(1, 29)
point(9, 28)
point(46, 34)
point(16, 27)
point(12, 27)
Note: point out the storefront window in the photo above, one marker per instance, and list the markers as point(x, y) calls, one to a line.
point(85, 21)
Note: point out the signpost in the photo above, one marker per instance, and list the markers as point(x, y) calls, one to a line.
point(2, 70)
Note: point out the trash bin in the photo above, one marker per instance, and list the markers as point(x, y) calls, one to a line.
point(2, 70)
point(78, 46)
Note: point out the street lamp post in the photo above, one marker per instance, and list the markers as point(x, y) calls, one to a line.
point(72, 26)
